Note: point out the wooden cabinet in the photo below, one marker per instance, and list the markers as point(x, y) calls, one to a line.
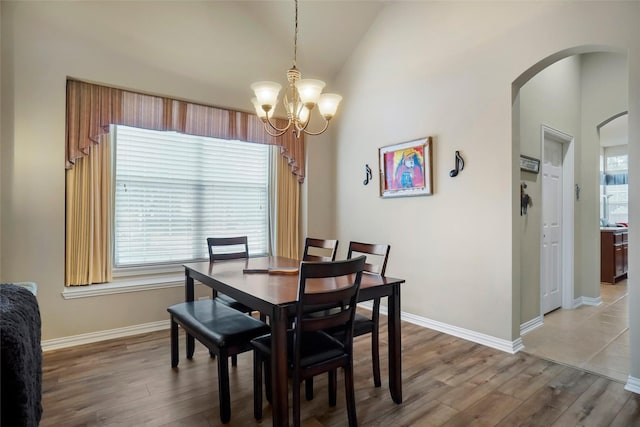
point(613, 254)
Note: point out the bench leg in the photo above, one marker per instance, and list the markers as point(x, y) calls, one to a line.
point(174, 344)
point(267, 378)
point(223, 387)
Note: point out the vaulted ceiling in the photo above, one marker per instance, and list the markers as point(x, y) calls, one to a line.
point(226, 44)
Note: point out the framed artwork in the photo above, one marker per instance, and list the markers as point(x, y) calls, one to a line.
point(529, 164)
point(405, 169)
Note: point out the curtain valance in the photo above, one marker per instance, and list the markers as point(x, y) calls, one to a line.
point(92, 108)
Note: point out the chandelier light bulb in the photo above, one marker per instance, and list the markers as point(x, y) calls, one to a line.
point(328, 104)
point(309, 90)
point(267, 93)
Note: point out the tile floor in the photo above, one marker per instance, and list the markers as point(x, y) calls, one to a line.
point(595, 339)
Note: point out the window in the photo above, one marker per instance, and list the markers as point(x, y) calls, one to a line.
point(614, 188)
point(91, 167)
point(618, 163)
point(173, 190)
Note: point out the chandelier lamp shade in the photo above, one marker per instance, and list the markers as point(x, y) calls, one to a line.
point(301, 96)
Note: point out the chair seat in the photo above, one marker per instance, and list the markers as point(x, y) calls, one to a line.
point(319, 347)
point(217, 322)
point(362, 325)
point(230, 302)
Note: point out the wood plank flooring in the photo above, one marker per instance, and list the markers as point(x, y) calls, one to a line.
point(446, 382)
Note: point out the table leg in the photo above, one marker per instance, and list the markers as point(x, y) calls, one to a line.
point(189, 296)
point(279, 374)
point(395, 345)
point(188, 287)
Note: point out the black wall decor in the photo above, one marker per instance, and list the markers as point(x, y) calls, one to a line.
point(368, 173)
point(525, 200)
point(458, 166)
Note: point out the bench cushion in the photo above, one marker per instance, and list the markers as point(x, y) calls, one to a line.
point(217, 323)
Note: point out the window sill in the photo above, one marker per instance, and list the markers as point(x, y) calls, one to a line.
point(124, 286)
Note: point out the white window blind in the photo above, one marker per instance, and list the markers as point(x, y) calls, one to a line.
point(172, 191)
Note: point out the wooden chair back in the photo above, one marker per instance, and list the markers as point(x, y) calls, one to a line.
point(319, 250)
point(233, 248)
point(380, 252)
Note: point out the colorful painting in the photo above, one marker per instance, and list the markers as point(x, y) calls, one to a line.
point(405, 169)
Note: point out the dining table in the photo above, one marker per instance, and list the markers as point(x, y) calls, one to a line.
point(269, 285)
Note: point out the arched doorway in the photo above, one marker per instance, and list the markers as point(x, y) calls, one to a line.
point(576, 66)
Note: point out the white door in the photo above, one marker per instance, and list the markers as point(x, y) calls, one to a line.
point(551, 262)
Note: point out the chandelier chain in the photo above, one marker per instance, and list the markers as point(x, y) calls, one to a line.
point(295, 38)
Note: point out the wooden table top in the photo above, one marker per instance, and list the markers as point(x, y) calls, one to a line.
point(277, 289)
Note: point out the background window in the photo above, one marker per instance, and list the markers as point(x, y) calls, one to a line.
point(614, 187)
point(172, 191)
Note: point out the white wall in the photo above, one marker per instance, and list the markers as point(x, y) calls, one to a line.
point(634, 214)
point(320, 182)
point(415, 75)
point(446, 69)
point(1, 139)
point(604, 94)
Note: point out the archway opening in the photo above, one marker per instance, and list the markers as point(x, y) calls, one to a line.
point(564, 91)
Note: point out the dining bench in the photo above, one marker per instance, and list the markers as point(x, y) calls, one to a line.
point(223, 330)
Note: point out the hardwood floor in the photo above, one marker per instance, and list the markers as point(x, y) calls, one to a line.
point(446, 382)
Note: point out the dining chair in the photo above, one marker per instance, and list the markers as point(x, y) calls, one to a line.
point(224, 331)
point(223, 248)
point(377, 256)
point(311, 350)
point(319, 249)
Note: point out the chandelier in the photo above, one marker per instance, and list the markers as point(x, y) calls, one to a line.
point(300, 98)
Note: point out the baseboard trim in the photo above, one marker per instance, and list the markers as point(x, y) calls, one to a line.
point(633, 385)
point(587, 301)
point(72, 341)
point(530, 325)
point(591, 301)
point(511, 347)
